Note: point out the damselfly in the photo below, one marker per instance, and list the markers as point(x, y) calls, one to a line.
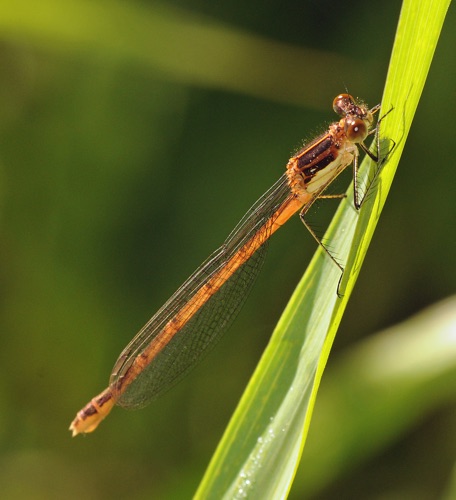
point(195, 317)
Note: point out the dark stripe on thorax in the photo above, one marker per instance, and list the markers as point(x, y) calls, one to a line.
point(316, 156)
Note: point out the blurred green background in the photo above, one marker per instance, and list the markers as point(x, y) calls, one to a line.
point(133, 137)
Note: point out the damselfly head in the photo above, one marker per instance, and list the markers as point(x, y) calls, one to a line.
point(356, 118)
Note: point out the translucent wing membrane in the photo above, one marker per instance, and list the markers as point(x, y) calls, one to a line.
point(201, 318)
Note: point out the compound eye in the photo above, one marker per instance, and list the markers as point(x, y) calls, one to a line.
point(355, 129)
point(343, 103)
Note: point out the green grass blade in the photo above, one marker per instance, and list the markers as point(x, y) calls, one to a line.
point(390, 394)
point(262, 445)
